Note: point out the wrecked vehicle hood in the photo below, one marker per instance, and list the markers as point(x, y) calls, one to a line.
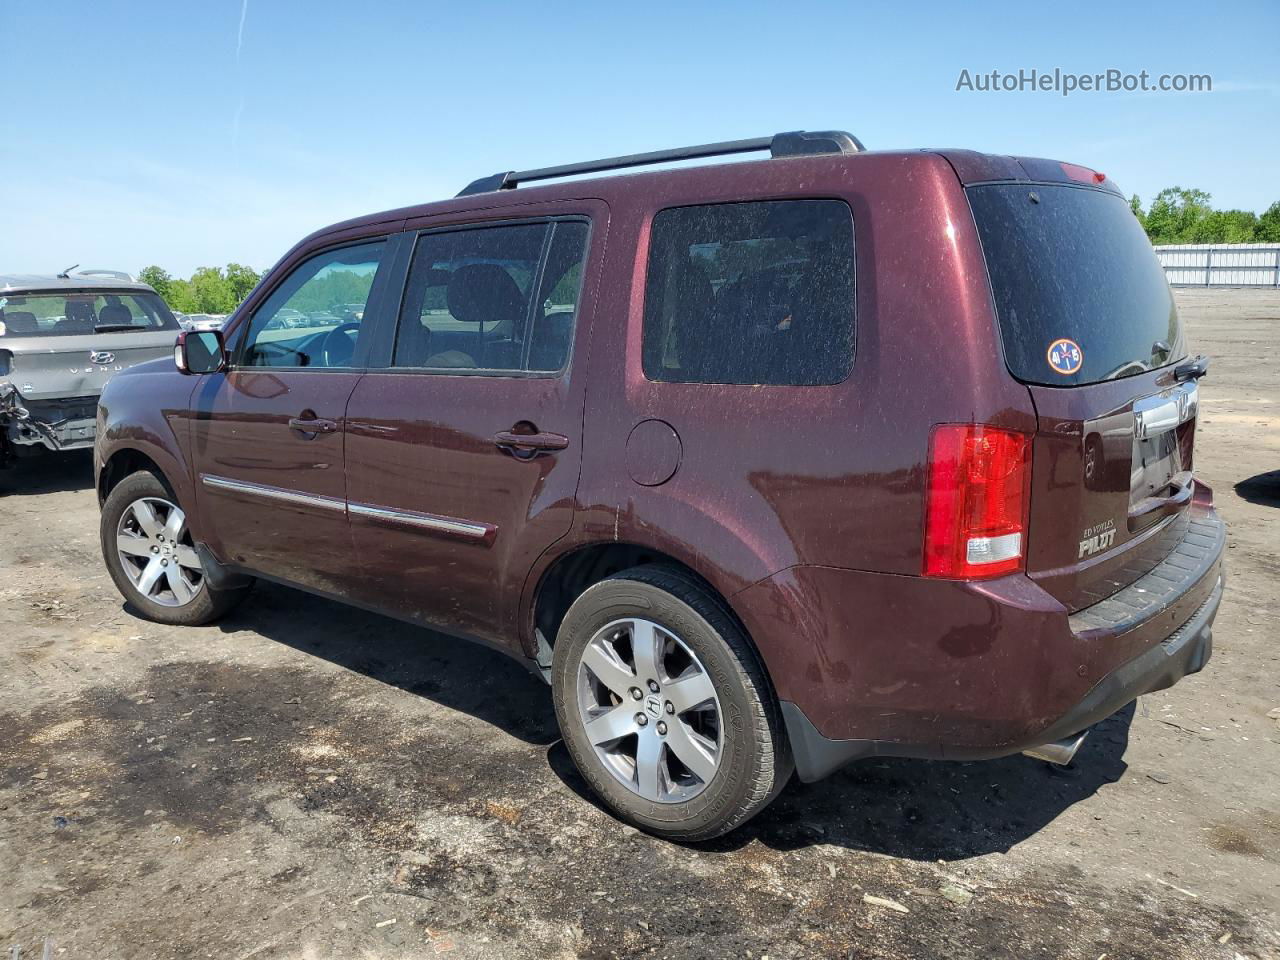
point(47, 368)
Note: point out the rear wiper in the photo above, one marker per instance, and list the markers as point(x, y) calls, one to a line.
point(116, 327)
point(1128, 368)
point(1192, 369)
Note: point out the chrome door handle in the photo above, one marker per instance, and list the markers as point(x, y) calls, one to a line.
point(530, 442)
point(312, 425)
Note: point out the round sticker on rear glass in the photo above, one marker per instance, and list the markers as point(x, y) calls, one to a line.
point(1065, 356)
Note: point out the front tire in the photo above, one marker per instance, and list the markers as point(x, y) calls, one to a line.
point(152, 559)
point(665, 707)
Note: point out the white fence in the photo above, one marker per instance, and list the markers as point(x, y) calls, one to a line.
point(1221, 264)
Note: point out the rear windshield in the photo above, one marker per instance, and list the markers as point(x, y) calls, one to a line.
point(1079, 293)
point(75, 314)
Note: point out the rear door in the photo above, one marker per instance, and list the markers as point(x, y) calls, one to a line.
point(463, 452)
point(268, 432)
point(1088, 323)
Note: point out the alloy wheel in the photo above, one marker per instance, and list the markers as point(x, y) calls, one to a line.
point(157, 554)
point(650, 710)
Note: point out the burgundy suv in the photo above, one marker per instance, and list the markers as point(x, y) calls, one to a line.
point(763, 465)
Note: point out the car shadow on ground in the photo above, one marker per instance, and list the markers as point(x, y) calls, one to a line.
point(922, 810)
point(457, 674)
point(1262, 489)
point(48, 473)
point(916, 809)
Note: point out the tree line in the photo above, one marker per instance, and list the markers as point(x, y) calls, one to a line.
point(209, 289)
point(1187, 216)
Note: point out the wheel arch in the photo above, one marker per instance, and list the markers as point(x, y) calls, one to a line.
point(574, 570)
point(126, 460)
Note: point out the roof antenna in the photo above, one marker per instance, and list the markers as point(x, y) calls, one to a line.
point(63, 274)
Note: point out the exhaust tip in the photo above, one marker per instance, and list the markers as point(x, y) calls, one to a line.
point(1059, 752)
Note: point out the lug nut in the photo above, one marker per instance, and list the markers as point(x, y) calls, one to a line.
point(155, 549)
point(635, 693)
point(641, 720)
point(671, 707)
point(662, 729)
point(164, 563)
point(653, 686)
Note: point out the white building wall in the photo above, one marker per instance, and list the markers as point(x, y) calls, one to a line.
point(1221, 264)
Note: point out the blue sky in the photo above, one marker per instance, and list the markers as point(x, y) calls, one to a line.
point(140, 132)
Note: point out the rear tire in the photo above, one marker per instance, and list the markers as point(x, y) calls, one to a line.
point(152, 559)
point(706, 720)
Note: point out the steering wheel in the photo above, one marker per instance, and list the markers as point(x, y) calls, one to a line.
point(333, 355)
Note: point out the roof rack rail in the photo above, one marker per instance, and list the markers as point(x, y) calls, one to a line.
point(793, 144)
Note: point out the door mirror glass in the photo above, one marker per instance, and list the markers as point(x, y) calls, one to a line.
point(200, 351)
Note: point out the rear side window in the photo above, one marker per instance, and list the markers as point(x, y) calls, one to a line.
point(751, 293)
point(1078, 291)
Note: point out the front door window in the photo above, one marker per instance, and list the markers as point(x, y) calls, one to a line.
point(315, 317)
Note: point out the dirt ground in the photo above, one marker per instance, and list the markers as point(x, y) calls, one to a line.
point(308, 781)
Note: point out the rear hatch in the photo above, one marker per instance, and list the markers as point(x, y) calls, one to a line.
point(1088, 323)
point(56, 345)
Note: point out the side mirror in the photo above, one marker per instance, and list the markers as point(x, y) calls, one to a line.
point(200, 351)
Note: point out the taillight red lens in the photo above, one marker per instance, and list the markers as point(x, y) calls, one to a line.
point(1082, 174)
point(976, 501)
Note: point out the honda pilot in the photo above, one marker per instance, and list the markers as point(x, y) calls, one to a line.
point(765, 467)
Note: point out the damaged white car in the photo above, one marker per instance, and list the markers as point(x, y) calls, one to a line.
point(61, 340)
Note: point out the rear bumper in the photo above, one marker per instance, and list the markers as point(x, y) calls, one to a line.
point(67, 424)
point(1184, 653)
point(911, 667)
point(68, 435)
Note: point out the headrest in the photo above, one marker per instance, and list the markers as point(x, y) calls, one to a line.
point(19, 321)
point(115, 313)
point(484, 293)
point(80, 310)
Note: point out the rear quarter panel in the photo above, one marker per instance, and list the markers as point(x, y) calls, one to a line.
point(773, 477)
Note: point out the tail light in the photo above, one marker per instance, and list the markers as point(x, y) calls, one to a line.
point(1082, 174)
point(976, 502)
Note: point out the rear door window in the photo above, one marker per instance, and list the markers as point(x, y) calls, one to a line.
point(493, 300)
point(1078, 291)
point(750, 293)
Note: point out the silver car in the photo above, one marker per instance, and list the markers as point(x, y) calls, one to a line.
point(61, 339)
point(202, 321)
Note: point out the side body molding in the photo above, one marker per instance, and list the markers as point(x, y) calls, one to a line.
point(427, 522)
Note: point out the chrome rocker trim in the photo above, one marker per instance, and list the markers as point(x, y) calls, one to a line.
point(273, 493)
point(465, 529)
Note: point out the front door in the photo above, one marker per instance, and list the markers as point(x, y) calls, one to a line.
point(268, 433)
point(463, 453)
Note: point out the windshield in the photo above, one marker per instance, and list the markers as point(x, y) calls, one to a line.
point(1079, 293)
point(81, 312)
